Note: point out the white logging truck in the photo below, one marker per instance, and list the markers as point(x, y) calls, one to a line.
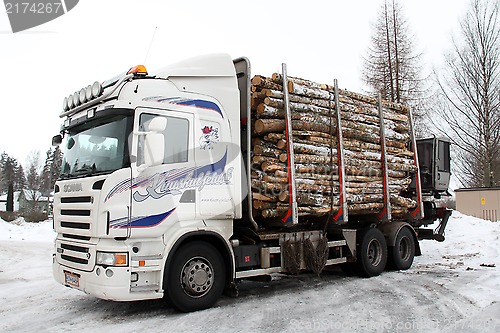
point(182, 182)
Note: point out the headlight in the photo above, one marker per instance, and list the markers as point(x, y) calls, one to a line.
point(112, 259)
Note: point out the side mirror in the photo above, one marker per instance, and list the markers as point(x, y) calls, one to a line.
point(154, 142)
point(56, 140)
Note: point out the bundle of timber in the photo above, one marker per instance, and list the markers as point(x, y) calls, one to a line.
point(315, 133)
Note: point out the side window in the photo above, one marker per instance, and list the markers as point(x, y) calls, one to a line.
point(424, 150)
point(444, 156)
point(176, 137)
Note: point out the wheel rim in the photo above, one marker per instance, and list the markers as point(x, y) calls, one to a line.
point(405, 248)
point(197, 277)
point(374, 252)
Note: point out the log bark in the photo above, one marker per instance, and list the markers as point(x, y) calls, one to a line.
point(298, 89)
point(309, 123)
point(267, 151)
point(267, 111)
point(264, 197)
point(260, 205)
point(261, 159)
point(314, 130)
point(264, 82)
point(306, 158)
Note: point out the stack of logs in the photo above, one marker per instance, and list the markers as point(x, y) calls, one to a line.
point(314, 130)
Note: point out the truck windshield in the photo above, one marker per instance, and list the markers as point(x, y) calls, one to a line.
point(96, 147)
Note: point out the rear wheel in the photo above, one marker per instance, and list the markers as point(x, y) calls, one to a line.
point(196, 277)
point(372, 252)
point(401, 255)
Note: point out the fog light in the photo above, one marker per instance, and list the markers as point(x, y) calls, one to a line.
point(134, 277)
point(98, 271)
point(109, 273)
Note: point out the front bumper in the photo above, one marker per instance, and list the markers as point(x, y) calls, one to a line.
point(111, 283)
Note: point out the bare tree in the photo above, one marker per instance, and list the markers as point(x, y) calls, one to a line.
point(470, 91)
point(391, 66)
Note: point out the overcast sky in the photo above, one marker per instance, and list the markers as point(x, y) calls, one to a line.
point(98, 39)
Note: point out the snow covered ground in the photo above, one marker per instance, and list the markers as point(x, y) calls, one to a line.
point(454, 286)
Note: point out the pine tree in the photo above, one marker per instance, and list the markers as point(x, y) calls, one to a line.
point(55, 168)
point(10, 198)
point(8, 167)
point(33, 183)
point(46, 177)
point(19, 178)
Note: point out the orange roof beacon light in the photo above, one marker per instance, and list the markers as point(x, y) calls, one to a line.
point(138, 70)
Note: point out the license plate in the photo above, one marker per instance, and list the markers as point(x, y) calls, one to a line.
point(71, 279)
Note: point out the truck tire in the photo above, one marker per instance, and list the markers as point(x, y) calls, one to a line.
point(401, 255)
point(372, 252)
point(196, 277)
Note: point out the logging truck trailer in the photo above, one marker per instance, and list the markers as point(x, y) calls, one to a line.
point(154, 198)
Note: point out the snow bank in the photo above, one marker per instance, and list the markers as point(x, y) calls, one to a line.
point(471, 251)
point(468, 237)
point(452, 287)
point(20, 230)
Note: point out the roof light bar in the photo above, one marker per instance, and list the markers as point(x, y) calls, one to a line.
point(95, 90)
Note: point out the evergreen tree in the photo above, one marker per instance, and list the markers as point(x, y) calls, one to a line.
point(55, 168)
point(33, 180)
point(8, 166)
point(10, 198)
point(46, 177)
point(19, 178)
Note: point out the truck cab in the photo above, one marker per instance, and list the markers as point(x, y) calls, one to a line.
point(148, 160)
point(434, 160)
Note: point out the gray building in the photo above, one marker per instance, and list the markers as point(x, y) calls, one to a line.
point(480, 202)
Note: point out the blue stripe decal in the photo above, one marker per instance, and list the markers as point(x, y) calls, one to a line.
point(197, 103)
point(141, 222)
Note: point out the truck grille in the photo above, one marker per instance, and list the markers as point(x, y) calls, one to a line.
point(75, 225)
point(76, 255)
point(75, 212)
point(75, 218)
point(76, 199)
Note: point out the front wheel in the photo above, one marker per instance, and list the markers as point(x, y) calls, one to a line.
point(196, 277)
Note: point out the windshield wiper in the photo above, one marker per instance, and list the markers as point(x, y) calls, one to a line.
point(86, 169)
